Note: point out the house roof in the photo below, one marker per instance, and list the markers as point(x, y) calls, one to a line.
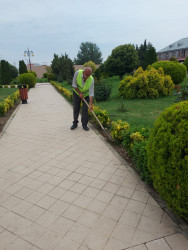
point(181, 44)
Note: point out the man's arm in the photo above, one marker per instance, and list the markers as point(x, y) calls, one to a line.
point(91, 95)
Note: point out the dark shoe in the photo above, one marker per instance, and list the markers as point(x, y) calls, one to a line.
point(73, 126)
point(85, 128)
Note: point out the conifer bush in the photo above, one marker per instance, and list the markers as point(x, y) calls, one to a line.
point(176, 70)
point(150, 83)
point(27, 79)
point(167, 152)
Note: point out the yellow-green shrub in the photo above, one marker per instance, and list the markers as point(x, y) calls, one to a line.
point(149, 83)
point(8, 102)
point(118, 129)
point(27, 79)
point(167, 153)
point(176, 70)
point(102, 115)
point(66, 93)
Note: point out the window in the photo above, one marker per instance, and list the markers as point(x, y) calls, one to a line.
point(183, 53)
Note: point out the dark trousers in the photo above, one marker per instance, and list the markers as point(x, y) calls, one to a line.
point(76, 109)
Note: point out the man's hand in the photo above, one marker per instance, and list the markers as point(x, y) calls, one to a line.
point(81, 95)
point(91, 106)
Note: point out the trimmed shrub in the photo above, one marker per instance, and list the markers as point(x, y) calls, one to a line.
point(102, 91)
point(119, 129)
point(50, 77)
point(28, 79)
point(45, 75)
point(102, 115)
point(8, 102)
point(33, 72)
point(92, 65)
point(176, 70)
point(151, 83)
point(139, 155)
point(66, 93)
point(167, 153)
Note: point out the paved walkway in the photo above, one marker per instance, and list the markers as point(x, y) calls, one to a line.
point(63, 189)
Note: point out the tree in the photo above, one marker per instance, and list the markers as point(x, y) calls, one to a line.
point(5, 72)
point(13, 71)
point(88, 52)
point(22, 67)
point(151, 55)
point(124, 59)
point(63, 68)
point(147, 54)
point(91, 65)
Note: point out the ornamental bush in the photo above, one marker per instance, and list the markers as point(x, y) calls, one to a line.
point(51, 77)
point(167, 152)
point(151, 83)
point(33, 72)
point(176, 70)
point(119, 129)
point(27, 79)
point(102, 115)
point(92, 65)
point(102, 91)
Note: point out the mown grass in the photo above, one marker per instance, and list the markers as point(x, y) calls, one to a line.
point(5, 92)
point(66, 85)
point(138, 112)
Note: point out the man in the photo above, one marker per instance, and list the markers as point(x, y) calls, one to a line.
point(83, 84)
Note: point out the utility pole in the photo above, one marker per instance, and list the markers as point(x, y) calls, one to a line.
point(29, 53)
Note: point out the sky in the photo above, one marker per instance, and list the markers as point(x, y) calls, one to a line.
point(60, 26)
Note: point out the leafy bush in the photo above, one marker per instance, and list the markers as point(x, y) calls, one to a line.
point(8, 102)
point(33, 72)
point(139, 155)
point(12, 85)
point(50, 77)
point(102, 91)
point(119, 129)
point(45, 75)
point(28, 79)
point(173, 58)
point(176, 70)
point(92, 65)
point(150, 83)
point(102, 115)
point(186, 62)
point(40, 80)
point(167, 153)
point(66, 93)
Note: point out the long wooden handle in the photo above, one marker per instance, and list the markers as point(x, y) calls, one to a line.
point(95, 115)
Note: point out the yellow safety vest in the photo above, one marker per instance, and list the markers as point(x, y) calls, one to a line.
point(84, 90)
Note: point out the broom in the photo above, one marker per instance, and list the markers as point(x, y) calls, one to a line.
point(97, 120)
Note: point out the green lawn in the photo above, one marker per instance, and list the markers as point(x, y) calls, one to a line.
point(66, 85)
point(138, 112)
point(4, 93)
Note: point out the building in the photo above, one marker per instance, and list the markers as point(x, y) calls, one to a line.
point(178, 49)
point(39, 69)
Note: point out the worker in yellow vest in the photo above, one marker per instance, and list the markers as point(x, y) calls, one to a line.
point(83, 84)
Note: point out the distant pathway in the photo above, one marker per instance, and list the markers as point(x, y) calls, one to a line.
point(63, 189)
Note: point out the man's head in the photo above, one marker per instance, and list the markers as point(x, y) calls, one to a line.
point(87, 72)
